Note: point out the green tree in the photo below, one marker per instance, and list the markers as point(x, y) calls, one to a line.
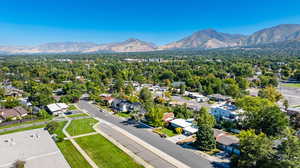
point(19, 164)
point(182, 89)
point(205, 139)
point(2, 93)
point(52, 126)
point(289, 151)
point(243, 83)
point(155, 115)
point(182, 112)
point(43, 114)
point(145, 95)
point(11, 102)
point(286, 104)
point(203, 117)
point(167, 75)
point(129, 89)
point(119, 85)
point(270, 93)
point(256, 151)
point(262, 115)
point(272, 121)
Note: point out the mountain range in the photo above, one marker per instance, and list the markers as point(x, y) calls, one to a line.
point(203, 39)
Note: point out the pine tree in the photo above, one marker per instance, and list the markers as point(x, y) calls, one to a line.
point(205, 138)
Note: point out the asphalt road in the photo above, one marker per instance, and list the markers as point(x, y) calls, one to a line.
point(292, 94)
point(189, 158)
point(139, 150)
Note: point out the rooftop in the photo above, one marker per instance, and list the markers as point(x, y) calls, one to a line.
point(225, 138)
point(181, 122)
point(36, 147)
point(57, 106)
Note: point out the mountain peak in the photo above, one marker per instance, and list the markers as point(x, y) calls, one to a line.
point(133, 40)
point(279, 33)
point(209, 30)
point(206, 38)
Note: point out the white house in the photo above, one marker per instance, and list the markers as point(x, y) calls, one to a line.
point(57, 108)
point(180, 123)
point(186, 125)
point(190, 130)
point(199, 97)
point(226, 111)
point(25, 102)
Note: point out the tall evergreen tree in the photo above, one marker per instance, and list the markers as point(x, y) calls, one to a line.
point(205, 138)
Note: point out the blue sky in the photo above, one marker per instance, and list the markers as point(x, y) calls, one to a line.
point(31, 22)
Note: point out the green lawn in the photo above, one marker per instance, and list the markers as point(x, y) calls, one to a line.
point(78, 115)
point(23, 123)
point(105, 154)
point(297, 85)
point(72, 107)
point(59, 131)
point(74, 158)
point(125, 115)
point(186, 98)
point(81, 126)
point(23, 129)
point(166, 131)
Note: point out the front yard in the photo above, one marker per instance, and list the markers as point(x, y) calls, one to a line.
point(59, 131)
point(81, 126)
point(125, 115)
point(78, 115)
point(74, 158)
point(104, 153)
point(165, 131)
point(296, 85)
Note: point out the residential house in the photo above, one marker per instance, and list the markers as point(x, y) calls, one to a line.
point(225, 111)
point(13, 113)
point(137, 107)
point(107, 98)
point(122, 105)
point(197, 96)
point(57, 108)
point(178, 84)
point(190, 130)
point(219, 97)
point(25, 102)
point(227, 142)
point(168, 117)
point(187, 125)
point(12, 91)
point(180, 123)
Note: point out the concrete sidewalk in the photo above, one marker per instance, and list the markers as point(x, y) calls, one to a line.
point(82, 135)
point(82, 152)
point(150, 154)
